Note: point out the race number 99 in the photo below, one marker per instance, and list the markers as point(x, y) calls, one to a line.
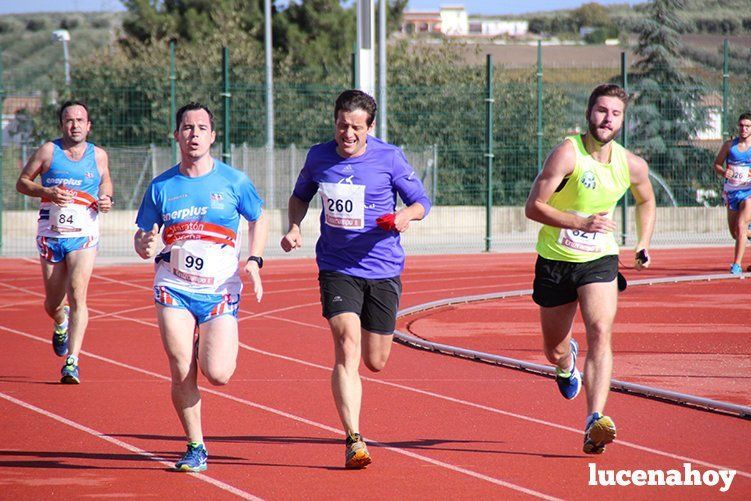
point(195, 263)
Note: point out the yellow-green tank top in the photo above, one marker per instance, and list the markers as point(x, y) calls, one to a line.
point(591, 188)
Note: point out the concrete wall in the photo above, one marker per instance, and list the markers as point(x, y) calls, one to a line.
point(446, 230)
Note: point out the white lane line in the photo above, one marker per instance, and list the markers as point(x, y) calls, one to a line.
point(499, 411)
point(303, 420)
point(443, 397)
point(124, 445)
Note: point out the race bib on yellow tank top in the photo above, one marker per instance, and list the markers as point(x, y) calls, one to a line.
point(582, 241)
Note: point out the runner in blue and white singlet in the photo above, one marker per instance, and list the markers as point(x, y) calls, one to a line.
point(739, 164)
point(201, 216)
point(733, 164)
point(71, 178)
point(198, 205)
point(79, 218)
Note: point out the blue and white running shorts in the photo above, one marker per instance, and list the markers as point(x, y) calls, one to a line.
point(733, 199)
point(203, 307)
point(55, 249)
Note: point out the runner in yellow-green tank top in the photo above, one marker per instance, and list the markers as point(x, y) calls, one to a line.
point(592, 188)
point(577, 267)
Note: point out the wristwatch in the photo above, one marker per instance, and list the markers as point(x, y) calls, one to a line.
point(258, 260)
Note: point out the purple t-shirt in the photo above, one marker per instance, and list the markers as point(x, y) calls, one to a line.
point(355, 192)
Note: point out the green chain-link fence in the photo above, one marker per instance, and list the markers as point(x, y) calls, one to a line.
point(442, 128)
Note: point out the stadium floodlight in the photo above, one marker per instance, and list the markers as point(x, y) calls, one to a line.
point(64, 37)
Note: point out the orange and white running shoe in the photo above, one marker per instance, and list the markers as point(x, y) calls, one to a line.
point(356, 456)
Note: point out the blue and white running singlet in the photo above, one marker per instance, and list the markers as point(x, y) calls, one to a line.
point(200, 216)
point(81, 217)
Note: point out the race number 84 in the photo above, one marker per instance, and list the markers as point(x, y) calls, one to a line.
point(65, 218)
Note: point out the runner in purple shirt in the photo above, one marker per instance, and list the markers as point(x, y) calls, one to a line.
point(359, 253)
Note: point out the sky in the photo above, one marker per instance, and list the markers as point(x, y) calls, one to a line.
point(491, 7)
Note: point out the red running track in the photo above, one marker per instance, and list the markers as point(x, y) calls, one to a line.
point(439, 427)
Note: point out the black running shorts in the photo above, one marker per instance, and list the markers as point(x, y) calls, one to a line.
point(376, 301)
point(556, 282)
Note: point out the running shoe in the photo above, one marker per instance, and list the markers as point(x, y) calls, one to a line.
point(569, 382)
point(60, 335)
point(736, 269)
point(70, 371)
point(356, 456)
point(600, 431)
point(195, 459)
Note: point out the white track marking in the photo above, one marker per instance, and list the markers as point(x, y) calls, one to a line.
point(124, 445)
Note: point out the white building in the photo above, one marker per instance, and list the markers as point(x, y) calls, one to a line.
point(488, 27)
point(453, 21)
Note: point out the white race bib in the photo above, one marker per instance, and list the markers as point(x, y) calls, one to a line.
point(70, 218)
point(343, 205)
point(741, 174)
point(582, 241)
point(195, 261)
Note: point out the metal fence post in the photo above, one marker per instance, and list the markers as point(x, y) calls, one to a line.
point(172, 100)
point(725, 90)
point(624, 141)
point(226, 95)
point(153, 154)
point(382, 65)
point(293, 167)
point(539, 106)
point(435, 174)
point(2, 156)
point(270, 157)
point(355, 68)
point(489, 154)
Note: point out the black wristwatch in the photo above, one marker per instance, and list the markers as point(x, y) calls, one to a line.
point(257, 259)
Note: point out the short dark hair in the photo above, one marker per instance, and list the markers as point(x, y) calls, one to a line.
point(351, 100)
point(192, 106)
point(610, 90)
point(745, 116)
point(68, 104)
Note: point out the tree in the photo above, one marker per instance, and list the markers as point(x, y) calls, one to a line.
point(668, 110)
point(668, 106)
point(315, 35)
point(151, 21)
point(591, 14)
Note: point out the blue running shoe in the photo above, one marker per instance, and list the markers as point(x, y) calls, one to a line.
point(60, 335)
point(195, 459)
point(70, 371)
point(599, 432)
point(736, 269)
point(569, 383)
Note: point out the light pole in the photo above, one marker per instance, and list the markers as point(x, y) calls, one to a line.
point(64, 37)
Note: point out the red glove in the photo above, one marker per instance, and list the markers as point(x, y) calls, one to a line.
point(386, 222)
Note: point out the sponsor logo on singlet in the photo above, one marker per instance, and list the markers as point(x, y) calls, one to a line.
point(187, 212)
point(54, 181)
point(588, 180)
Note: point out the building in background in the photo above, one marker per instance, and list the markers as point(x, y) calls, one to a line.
point(453, 21)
